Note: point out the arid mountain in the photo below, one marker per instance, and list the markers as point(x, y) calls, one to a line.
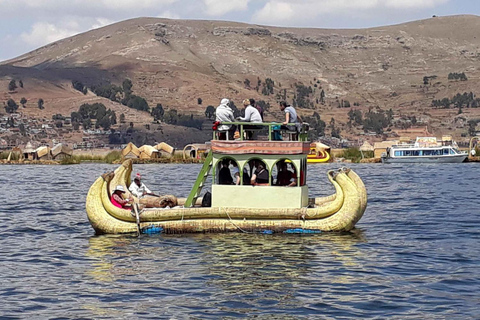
point(175, 62)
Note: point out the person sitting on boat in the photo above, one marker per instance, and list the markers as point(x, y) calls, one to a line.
point(236, 172)
point(224, 176)
point(251, 115)
point(224, 113)
point(290, 117)
point(257, 106)
point(260, 176)
point(139, 189)
point(286, 177)
point(118, 200)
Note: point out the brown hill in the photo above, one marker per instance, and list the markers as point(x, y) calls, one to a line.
point(174, 62)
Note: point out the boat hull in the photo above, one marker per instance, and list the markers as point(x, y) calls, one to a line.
point(337, 212)
point(458, 158)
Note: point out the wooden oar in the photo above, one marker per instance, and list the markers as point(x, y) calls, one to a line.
point(137, 217)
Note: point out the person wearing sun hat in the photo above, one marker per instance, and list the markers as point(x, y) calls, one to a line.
point(118, 200)
point(139, 189)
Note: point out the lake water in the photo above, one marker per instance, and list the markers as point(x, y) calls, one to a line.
point(414, 254)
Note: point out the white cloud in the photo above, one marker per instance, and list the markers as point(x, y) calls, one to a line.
point(101, 22)
point(221, 7)
point(288, 12)
point(169, 15)
point(43, 33)
point(406, 4)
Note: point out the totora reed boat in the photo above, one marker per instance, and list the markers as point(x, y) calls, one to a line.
point(267, 206)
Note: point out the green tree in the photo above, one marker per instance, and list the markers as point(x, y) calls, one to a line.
point(210, 112)
point(122, 118)
point(23, 101)
point(11, 106)
point(87, 124)
point(12, 85)
point(171, 116)
point(138, 103)
point(21, 127)
point(127, 86)
point(40, 104)
point(158, 112)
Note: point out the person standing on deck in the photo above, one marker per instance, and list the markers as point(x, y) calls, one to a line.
point(224, 113)
point(251, 115)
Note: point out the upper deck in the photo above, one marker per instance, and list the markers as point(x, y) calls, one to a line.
point(265, 138)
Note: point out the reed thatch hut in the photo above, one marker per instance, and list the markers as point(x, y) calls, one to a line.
point(195, 150)
point(381, 147)
point(130, 151)
point(164, 149)
point(43, 153)
point(29, 152)
point(61, 151)
point(148, 152)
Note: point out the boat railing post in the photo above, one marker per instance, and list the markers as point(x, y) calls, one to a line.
point(269, 132)
point(241, 132)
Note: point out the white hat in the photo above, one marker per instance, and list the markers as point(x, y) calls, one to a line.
point(224, 101)
point(119, 188)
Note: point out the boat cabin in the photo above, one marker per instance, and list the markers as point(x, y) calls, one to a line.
point(281, 167)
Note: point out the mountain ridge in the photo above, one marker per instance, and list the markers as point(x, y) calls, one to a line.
point(175, 62)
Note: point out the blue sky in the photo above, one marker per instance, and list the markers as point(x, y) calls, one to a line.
point(28, 24)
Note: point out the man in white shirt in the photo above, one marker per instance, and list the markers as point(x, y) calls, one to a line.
point(139, 189)
point(251, 115)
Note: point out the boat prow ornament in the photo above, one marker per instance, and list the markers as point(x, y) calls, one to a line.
point(277, 204)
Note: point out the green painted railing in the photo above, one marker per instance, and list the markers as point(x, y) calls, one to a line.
point(272, 126)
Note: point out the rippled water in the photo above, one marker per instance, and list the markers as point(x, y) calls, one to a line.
point(414, 254)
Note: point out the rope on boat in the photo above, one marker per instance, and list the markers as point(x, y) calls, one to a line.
point(231, 220)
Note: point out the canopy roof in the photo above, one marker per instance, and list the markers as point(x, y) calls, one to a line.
point(260, 147)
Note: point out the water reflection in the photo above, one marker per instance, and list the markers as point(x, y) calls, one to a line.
point(238, 272)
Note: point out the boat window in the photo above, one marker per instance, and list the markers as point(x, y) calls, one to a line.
point(415, 152)
point(452, 151)
point(427, 152)
point(256, 171)
point(445, 151)
point(398, 153)
point(284, 173)
point(226, 171)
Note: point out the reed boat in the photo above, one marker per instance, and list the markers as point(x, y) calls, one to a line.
point(267, 207)
point(319, 153)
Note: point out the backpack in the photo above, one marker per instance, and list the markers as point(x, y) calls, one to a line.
point(207, 199)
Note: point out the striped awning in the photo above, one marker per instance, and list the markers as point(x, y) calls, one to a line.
point(260, 147)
